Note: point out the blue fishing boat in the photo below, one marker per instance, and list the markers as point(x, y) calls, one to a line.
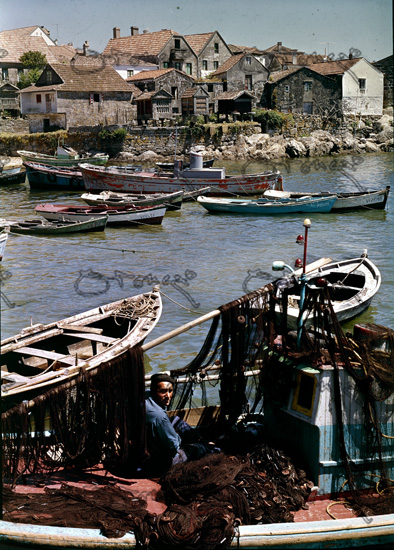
point(16, 174)
point(267, 207)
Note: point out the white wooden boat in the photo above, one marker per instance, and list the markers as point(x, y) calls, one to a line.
point(44, 355)
point(351, 284)
point(3, 242)
point(359, 200)
point(122, 215)
point(64, 156)
point(173, 201)
point(267, 207)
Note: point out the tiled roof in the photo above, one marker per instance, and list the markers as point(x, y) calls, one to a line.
point(198, 41)
point(153, 75)
point(281, 49)
point(228, 64)
point(87, 78)
point(234, 95)
point(16, 42)
point(335, 67)
point(278, 75)
point(140, 45)
point(301, 59)
point(244, 49)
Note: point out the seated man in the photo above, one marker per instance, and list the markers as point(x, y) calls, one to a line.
point(164, 443)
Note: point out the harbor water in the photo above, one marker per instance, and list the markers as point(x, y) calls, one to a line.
point(200, 260)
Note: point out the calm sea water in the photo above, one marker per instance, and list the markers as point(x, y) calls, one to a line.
point(201, 260)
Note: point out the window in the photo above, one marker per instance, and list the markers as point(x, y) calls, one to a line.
point(96, 98)
point(287, 88)
point(210, 87)
point(130, 73)
point(49, 77)
point(307, 86)
point(248, 60)
point(304, 394)
point(174, 92)
point(308, 108)
point(20, 72)
point(248, 82)
point(362, 84)
point(177, 43)
point(38, 98)
point(215, 65)
point(166, 65)
point(216, 47)
point(204, 65)
point(188, 68)
point(4, 73)
point(178, 65)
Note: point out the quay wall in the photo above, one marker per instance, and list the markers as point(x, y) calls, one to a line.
point(297, 136)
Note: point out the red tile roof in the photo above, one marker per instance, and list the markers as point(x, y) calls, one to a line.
point(334, 67)
point(199, 41)
point(228, 64)
point(153, 75)
point(140, 45)
point(86, 78)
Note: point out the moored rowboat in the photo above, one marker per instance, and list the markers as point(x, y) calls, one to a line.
point(39, 226)
point(41, 176)
point(64, 156)
point(173, 201)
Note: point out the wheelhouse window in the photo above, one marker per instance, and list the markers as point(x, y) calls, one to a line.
point(304, 395)
point(362, 84)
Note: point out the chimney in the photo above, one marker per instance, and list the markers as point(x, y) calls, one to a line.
point(116, 32)
point(134, 31)
point(350, 56)
point(279, 47)
point(86, 48)
point(294, 58)
point(145, 31)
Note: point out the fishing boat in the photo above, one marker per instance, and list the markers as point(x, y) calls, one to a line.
point(267, 207)
point(3, 242)
point(41, 176)
point(360, 200)
point(173, 201)
point(123, 215)
point(315, 400)
point(351, 285)
point(64, 156)
point(16, 174)
point(38, 226)
point(112, 178)
point(41, 356)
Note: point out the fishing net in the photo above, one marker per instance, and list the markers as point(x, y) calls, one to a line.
point(249, 358)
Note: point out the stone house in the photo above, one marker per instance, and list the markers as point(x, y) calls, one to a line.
point(165, 49)
point(243, 72)
point(360, 82)
point(280, 58)
point(16, 42)
point(174, 82)
point(211, 50)
point(302, 90)
point(386, 67)
point(9, 99)
point(72, 95)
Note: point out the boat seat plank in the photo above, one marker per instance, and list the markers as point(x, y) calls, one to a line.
point(90, 336)
point(81, 328)
point(45, 354)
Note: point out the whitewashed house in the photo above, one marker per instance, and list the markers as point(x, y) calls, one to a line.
point(361, 83)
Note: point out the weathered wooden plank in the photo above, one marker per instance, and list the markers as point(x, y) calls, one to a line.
point(80, 328)
point(45, 354)
point(95, 337)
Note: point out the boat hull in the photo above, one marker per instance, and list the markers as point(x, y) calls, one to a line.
point(52, 177)
point(98, 178)
point(132, 216)
point(52, 160)
point(264, 208)
point(369, 200)
point(35, 227)
point(173, 201)
point(3, 242)
point(12, 175)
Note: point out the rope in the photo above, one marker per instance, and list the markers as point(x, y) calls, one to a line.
point(133, 309)
point(180, 305)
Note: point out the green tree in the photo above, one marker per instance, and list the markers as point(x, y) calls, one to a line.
point(35, 62)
